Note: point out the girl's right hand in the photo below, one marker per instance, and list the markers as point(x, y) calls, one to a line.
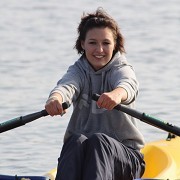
point(53, 105)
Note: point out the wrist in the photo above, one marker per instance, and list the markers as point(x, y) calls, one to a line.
point(53, 98)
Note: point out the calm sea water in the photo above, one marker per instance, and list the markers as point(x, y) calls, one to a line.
point(36, 48)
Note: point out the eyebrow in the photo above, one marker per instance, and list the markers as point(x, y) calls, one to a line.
point(95, 39)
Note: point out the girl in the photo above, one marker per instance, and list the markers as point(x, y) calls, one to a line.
point(100, 143)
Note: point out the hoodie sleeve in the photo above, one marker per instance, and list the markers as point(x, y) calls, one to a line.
point(124, 76)
point(69, 85)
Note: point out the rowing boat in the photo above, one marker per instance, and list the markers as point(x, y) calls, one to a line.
point(161, 157)
point(162, 160)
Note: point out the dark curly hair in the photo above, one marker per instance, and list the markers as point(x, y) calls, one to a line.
point(99, 19)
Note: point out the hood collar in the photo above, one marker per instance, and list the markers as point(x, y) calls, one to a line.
point(117, 60)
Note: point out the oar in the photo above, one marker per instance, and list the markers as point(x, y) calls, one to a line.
point(146, 118)
point(22, 120)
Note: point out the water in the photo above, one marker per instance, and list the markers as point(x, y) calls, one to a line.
point(36, 48)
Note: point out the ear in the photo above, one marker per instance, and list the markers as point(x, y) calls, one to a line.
point(82, 44)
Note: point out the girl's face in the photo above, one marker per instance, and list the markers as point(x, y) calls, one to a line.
point(98, 45)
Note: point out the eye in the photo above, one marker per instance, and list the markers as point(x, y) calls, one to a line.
point(92, 42)
point(106, 43)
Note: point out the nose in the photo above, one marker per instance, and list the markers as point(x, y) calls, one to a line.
point(99, 48)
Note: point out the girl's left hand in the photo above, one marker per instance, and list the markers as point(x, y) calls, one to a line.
point(111, 99)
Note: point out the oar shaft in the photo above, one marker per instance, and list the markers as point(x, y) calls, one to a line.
point(150, 120)
point(146, 118)
point(22, 120)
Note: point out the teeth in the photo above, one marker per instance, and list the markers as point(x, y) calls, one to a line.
point(99, 57)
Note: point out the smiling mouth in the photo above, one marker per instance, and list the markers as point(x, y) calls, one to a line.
point(99, 57)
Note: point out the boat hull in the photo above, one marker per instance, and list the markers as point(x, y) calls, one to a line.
point(8, 177)
point(162, 159)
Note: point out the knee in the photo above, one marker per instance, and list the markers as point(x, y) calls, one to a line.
point(96, 136)
point(75, 139)
point(97, 139)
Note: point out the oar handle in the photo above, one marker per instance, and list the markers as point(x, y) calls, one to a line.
point(145, 118)
point(22, 120)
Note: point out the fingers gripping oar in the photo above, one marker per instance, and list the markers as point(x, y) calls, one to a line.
point(22, 120)
point(146, 118)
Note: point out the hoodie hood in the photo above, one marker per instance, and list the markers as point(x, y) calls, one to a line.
point(117, 60)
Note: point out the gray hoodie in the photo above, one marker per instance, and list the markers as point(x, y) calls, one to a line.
point(77, 87)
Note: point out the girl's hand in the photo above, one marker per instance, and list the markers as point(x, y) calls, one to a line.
point(111, 99)
point(54, 105)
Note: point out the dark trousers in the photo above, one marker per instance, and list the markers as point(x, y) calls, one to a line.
point(98, 158)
